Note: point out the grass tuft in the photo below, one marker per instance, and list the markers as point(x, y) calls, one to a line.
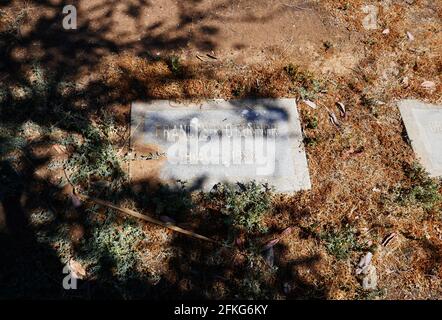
point(244, 205)
point(94, 159)
point(340, 243)
point(304, 82)
point(423, 191)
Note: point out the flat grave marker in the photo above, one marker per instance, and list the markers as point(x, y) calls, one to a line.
point(424, 127)
point(219, 141)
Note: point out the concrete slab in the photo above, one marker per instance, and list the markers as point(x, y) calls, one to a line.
point(219, 141)
point(424, 127)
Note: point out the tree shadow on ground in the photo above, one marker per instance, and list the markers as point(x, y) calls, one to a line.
point(31, 266)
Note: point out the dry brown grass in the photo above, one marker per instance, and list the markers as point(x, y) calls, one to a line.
point(354, 168)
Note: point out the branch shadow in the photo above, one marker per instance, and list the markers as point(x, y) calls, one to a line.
point(31, 267)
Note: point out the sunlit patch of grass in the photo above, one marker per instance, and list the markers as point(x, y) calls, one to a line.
point(312, 122)
point(340, 243)
point(11, 20)
point(258, 279)
point(175, 65)
point(423, 190)
point(244, 205)
point(9, 140)
point(306, 85)
point(112, 246)
point(94, 159)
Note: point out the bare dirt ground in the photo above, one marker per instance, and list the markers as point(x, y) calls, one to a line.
point(240, 32)
point(196, 49)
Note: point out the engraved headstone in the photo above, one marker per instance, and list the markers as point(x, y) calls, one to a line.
point(219, 141)
point(424, 127)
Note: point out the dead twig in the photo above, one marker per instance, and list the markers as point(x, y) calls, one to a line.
point(200, 58)
point(138, 215)
point(297, 7)
point(146, 218)
point(135, 214)
point(211, 56)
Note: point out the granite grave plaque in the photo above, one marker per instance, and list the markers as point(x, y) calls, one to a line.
point(424, 127)
point(220, 141)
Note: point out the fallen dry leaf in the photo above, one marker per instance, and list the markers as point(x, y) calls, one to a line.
point(59, 148)
point(334, 119)
point(429, 85)
point(76, 202)
point(269, 256)
point(270, 244)
point(352, 152)
point(311, 104)
point(364, 263)
point(341, 108)
point(286, 232)
point(388, 239)
point(77, 269)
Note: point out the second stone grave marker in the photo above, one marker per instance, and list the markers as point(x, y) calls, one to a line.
point(424, 127)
